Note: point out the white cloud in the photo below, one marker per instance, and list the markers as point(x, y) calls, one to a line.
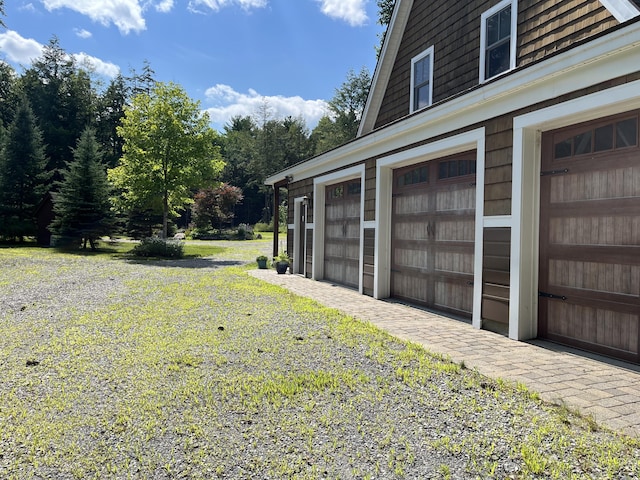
point(227, 103)
point(164, 6)
point(27, 8)
point(96, 65)
point(216, 5)
point(351, 11)
point(19, 49)
point(82, 33)
point(124, 14)
point(23, 51)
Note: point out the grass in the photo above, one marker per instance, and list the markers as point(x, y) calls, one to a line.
point(201, 373)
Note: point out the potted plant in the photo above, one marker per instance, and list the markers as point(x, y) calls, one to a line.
point(282, 262)
point(262, 261)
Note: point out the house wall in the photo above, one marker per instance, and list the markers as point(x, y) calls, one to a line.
point(544, 28)
point(502, 120)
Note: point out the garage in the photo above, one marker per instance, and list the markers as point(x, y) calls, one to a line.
point(589, 271)
point(342, 233)
point(432, 233)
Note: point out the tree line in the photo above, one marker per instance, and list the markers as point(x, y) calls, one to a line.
point(85, 145)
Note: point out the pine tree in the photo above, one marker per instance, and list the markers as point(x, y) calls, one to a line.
point(22, 175)
point(82, 207)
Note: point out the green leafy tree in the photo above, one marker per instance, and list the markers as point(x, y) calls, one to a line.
point(82, 206)
point(2, 12)
point(169, 151)
point(22, 174)
point(385, 12)
point(345, 112)
point(215, 207)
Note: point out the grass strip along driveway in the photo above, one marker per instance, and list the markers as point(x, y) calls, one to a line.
point(111, 368)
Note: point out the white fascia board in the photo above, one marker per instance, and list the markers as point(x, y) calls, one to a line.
point(622, 10)
point(607, 57)
point(384, 67)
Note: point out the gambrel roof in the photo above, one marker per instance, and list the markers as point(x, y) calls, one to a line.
point(622, 10)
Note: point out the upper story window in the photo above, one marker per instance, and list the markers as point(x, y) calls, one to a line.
point(498, 39)
point(422, 80)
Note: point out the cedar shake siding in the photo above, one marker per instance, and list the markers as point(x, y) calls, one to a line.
point(466, 207)
point(453, 28)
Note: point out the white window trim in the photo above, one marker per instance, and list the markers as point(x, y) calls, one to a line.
point(512, 40)
point(427, 53)
point(622, 10)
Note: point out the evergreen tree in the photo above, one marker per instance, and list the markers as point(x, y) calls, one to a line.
point(8, 94)
point(22, 177)
point(111, 106)
point(82, 207)
point(62, 99)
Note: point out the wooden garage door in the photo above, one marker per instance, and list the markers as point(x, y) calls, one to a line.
point(342, 233)
point(590, 237)
point(433, 230)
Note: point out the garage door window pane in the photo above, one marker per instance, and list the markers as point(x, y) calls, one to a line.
point(563, 149)
point(627, 133)
point(604, 138)
point(583, 143)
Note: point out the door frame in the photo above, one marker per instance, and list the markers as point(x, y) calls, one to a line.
point(300, 235)
point(527, 158)
point(471, 140)
point(319, 192)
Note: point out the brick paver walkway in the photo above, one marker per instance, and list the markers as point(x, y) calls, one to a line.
point(606, 389)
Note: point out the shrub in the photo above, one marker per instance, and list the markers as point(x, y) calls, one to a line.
point(159, 247)
point(263, 227)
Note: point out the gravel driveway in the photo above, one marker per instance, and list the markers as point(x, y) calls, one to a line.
point(112, 368)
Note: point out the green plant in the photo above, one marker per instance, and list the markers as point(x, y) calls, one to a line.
point(261, 258)
point(159, 247)
point(283, 257)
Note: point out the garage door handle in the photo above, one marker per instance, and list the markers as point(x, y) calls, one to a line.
point(551, 296)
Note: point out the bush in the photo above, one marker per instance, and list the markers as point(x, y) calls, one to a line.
point(159, 247)
point(263, 227)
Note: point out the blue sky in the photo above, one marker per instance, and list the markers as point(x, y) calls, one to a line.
point(231, 55)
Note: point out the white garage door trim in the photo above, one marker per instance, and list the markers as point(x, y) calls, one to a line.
point(523, 301)
point(471, 140)
point(319, 185)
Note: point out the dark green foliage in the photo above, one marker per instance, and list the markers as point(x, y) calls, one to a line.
point(254, 151)
point(22, 175)
point(111, 106)
point(82, 207)
point(9, 97)
point(346, 107)
point(385, 12)
point(159, 247)
point(62, 99)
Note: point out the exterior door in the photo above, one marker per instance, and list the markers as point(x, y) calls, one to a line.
point(590, 237)
point(342, 233)
point(433, 230)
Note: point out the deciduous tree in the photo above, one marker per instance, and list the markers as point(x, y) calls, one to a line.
point(215, 207)
point(169, 151)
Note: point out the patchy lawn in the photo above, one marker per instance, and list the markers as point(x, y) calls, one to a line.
point(191, 369)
